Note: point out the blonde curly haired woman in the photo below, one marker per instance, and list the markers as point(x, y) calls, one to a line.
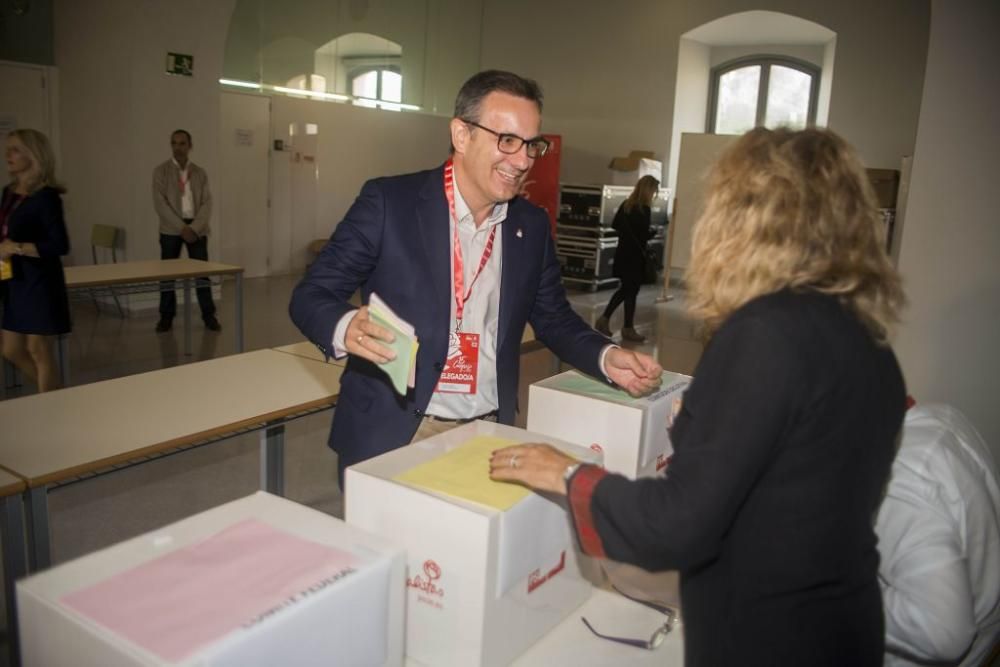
point(786, 435)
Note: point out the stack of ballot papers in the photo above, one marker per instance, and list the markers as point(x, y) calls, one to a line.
point(402, 369)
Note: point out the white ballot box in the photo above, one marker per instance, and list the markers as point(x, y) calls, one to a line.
point(258, 581)
point(632, 433)
point(492, 566)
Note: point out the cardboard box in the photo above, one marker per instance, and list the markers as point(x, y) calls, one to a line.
point(631, 161)
point(483, 584)
point(631, 433)
point(628, 170)
point(258, 581)
point(886, 185)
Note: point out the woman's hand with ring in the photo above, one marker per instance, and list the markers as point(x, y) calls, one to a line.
point(536, 465)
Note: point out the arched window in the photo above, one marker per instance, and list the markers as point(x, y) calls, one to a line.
point(767, 91)
point(371, 84)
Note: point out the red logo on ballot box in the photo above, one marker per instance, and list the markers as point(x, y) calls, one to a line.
point(428, 590)
point(536, 578)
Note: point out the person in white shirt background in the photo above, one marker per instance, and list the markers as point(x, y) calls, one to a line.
point(939, 541)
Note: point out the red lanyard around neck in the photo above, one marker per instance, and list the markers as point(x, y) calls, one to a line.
point(458, 266)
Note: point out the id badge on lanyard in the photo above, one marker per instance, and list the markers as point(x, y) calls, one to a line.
point(461, 368)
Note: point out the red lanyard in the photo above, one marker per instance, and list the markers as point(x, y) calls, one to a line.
point(182, 180)
point(458, 266)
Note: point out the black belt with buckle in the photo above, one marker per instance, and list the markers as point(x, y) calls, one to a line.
point(489, 417)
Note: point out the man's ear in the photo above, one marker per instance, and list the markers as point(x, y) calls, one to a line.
point(459, 135)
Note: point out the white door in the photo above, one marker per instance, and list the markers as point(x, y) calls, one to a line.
point(295, 181)
point(24, 98)
point(243, 188)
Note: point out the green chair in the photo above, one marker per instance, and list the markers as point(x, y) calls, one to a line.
point(106, 238)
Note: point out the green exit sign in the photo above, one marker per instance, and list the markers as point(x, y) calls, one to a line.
point(180, 64)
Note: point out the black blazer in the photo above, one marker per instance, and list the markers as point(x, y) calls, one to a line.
point(782, 449)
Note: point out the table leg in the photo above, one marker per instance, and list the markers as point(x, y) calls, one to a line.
point(14, 565)
point(9, 378)
point(239, 312)
point(272, 459)
point(64, 359)
point(187, 317)
point(39, 552)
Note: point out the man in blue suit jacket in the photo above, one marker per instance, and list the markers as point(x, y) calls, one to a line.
point(456, 253)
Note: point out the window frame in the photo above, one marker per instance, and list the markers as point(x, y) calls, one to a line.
point(766, 61)
point(361, 70)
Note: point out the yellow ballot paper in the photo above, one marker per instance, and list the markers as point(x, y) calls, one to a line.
point(464, 473)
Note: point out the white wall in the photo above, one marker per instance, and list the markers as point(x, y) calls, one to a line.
point(353, 145)
point(691, 98)
point(117, 107)
point(950, 249)
point(610, 75)
point(810, 54)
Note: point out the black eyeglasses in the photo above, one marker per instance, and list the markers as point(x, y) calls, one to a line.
point(511, 143)
point(658, 635)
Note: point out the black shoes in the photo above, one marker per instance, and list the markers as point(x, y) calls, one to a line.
point(164, 324)
point(212, 324)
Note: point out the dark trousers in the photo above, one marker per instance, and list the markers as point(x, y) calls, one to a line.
point(170, 248)
point(627, 293)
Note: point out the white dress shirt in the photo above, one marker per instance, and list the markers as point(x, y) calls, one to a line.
point(939, 539)
point(481, 314)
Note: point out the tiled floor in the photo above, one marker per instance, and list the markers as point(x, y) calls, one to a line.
point(98, 512)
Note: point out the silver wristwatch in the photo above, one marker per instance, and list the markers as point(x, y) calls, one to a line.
point(569, 472)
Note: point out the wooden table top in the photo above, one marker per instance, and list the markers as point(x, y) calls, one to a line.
point(309, 351)
point(58, 435)
point(96, 275)
point(9, 484)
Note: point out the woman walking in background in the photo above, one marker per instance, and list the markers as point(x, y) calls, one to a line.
point(32, 239)
point(632, 222)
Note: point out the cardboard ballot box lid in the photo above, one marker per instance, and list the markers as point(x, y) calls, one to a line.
point(257, 563)
point(398, 461)
point(575, 382)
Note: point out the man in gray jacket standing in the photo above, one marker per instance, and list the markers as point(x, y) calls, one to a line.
point(183, 204)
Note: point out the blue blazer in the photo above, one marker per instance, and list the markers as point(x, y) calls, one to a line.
point(395, 241)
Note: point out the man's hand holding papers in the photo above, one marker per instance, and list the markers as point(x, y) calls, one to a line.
point(377, 334)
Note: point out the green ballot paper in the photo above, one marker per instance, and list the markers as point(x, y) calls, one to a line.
point(402, 369)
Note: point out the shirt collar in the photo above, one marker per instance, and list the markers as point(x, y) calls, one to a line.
point(497, 215)
point(176, 164)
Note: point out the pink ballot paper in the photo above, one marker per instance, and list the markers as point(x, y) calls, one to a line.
point(175, 605)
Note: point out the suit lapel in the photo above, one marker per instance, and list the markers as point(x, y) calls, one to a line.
point(510, 271)
point(432, 222)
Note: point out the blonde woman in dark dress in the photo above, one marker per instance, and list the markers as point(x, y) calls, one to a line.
point(33, 237)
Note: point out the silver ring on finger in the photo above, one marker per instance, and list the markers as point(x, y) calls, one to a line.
point(361, 338)
point(513, 461)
